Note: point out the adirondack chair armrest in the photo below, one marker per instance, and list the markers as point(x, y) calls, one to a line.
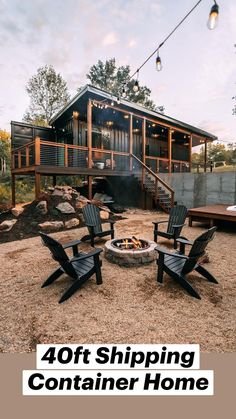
point(88, 255)
point(183, 242)
point(158, 222)
point(165, 252)
point(71, 244)
point(90, 225)
point(178, 225)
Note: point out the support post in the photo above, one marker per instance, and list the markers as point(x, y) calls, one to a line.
point(90, 187)
point(205, 156)
point(169, 149)
point(54, 180)
point(89, 133)
point(144, 140)
point(37, 185)
point(13, 190)
point(190, 152)
point(131, 142)
point(75, 128)
point(37, 151)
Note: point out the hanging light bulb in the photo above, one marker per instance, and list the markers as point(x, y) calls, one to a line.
point(158, 62)
point(112, 102)
point(213, 16)
point(118, 100)
point(123, 92)
point(136, 84)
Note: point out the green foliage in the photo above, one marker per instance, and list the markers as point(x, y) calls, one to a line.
point(107, 76)
point(5, 194)
point(216, 153)
point(5, 147)
point(48, 94)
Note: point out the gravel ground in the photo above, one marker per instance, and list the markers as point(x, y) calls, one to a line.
point(129, 307)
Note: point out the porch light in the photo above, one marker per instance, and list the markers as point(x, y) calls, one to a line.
point(158, 62)
point(75, 114)
point(213, 16)
point(126, 116)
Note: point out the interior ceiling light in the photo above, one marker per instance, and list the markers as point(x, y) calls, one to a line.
point(213, 16)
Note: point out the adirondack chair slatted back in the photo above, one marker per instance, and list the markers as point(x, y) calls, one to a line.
point(91, 215)
point(59, 254)
point(177, 216)
point(198, 249)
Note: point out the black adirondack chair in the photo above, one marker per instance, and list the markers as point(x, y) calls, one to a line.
point(178, 265)
point(176, 221)
point(93, 222)
point(79, 268)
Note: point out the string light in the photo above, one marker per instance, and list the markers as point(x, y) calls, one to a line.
point(136, 84)
point(213, 16)
point(158, 62)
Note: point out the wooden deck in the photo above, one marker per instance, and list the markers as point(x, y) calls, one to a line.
point(211, 213)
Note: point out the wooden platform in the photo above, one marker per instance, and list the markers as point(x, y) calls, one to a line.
point(211, 213)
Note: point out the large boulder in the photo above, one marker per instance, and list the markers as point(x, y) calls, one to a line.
point(17, 211)
point(42, 208)
point(80, 205)
point(67, 197)
point(65, 208)
point(7, 225)
point(50, 226)
point(74, 222)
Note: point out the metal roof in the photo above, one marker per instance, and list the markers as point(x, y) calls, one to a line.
point(141, 109)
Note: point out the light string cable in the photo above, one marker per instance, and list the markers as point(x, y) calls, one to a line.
point(163, 42)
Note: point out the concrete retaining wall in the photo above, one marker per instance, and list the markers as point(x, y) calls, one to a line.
point(200, 189)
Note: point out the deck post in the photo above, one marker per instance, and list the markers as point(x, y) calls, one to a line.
point(90, 187)
point(190, 151)
point(169, 150)
point(37, 185)
point(13, 190)
point(131, 141)
point(144, 140)
point(89, 132)
point(205, 156)
point(75, 128)
point(54, 180)
point(37, 151)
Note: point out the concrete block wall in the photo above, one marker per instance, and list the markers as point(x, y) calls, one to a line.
point(200, 189)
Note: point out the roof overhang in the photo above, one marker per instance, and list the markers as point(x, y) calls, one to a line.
point(132, 107)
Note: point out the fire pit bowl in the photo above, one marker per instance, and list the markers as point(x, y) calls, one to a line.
point(130, 251)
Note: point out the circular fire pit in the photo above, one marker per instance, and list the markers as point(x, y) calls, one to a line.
point(130, 251)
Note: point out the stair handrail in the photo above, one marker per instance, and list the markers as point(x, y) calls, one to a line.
point(156, 177)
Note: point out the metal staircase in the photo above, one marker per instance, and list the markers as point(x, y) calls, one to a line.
point(162, 194)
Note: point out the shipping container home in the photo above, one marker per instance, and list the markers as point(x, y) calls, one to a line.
point(93, 136)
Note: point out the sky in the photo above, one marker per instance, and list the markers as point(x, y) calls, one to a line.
point(196, 84)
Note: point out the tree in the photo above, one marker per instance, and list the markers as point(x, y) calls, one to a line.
point(5, 152)
point(48, 94)
point(107, 76)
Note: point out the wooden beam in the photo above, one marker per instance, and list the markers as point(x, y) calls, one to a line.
point(37, 185)
point(131, 140)
point(13, 190)
point(144, 140)
point(169, 149)
point(90, 187)
point(89, 133)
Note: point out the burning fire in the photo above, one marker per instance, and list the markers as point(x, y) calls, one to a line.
point(132, 243)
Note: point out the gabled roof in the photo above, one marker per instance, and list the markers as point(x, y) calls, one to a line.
point(88, 89)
